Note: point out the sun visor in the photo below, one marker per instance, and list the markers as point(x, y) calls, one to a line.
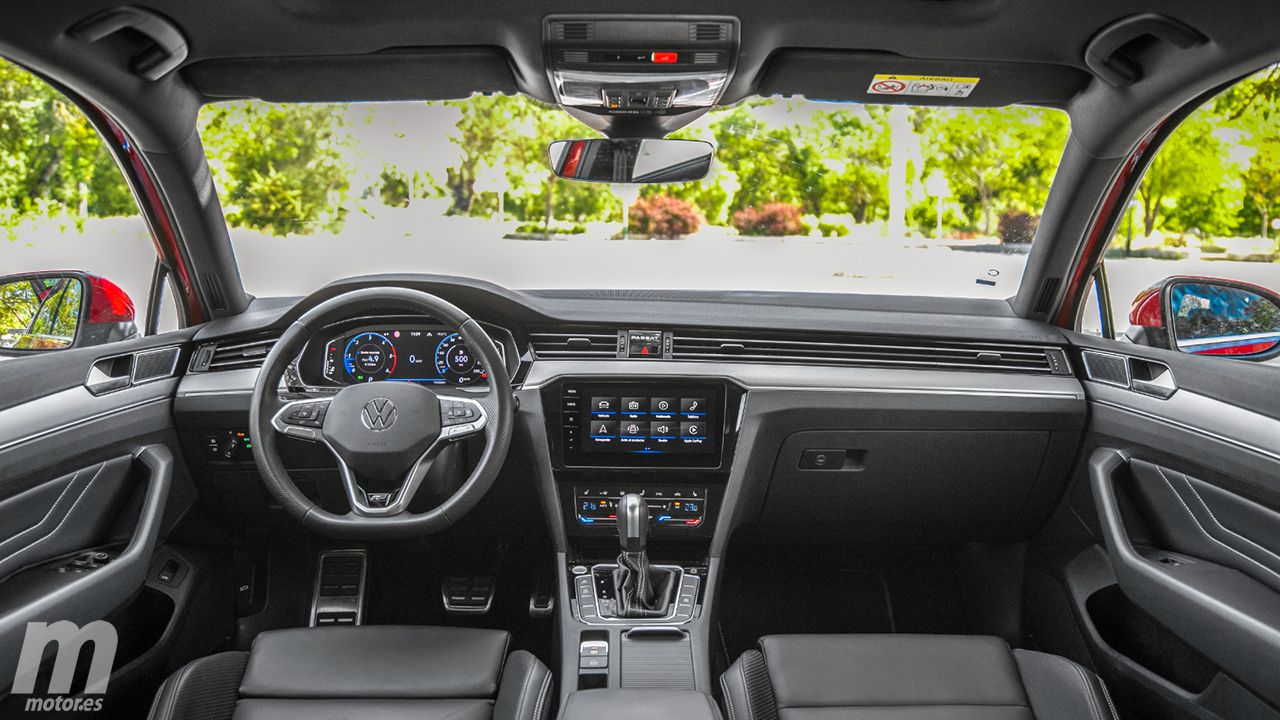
point(410, 74)
point(886, 78)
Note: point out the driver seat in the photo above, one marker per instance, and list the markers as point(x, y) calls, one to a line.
point(373, 672)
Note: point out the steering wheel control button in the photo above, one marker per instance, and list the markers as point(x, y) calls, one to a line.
point(822, 459)
point(307, 414)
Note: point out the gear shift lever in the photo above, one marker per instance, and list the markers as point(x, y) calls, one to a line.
point(640, 590)
point(633, 523)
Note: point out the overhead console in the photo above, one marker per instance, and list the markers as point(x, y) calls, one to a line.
point(639, 76)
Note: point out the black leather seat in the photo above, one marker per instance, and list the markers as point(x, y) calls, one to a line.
point(908, 677)
point(370, 672)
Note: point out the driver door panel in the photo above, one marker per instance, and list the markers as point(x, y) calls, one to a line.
point(82, 472)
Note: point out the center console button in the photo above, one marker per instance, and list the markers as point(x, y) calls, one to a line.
point(693, 406)
point(633, 428)
point(604, 405)
point(604, 429)
point(664, 407)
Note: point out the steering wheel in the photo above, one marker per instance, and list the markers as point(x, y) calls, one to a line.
point(385, 435)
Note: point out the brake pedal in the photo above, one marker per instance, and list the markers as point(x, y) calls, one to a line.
point(467, 595)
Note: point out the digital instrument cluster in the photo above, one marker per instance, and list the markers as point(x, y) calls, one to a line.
point(403, 353)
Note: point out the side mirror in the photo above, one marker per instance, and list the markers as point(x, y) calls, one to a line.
point(631, 161)
point(47, 311)
point(1208, 316)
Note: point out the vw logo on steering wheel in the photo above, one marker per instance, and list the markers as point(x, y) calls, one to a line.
point(378, 414)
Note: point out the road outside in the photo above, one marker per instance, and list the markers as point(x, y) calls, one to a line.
point(417, 241)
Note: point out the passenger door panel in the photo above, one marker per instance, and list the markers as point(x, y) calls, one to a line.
point(1187, 495)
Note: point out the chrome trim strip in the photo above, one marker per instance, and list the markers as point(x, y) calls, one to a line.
point(1274, 455)
point(80, 421)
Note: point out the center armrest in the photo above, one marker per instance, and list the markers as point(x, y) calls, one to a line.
point(640, 705)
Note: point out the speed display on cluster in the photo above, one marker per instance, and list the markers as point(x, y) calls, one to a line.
point(431, 356)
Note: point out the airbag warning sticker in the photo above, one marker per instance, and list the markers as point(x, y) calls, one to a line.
point(929, 85)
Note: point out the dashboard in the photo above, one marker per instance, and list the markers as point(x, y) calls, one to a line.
point(815, 419)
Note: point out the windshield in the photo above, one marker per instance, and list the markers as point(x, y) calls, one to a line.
point(802, 196)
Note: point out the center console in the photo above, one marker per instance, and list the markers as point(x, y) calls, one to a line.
point(640, 468)
point(669, 441)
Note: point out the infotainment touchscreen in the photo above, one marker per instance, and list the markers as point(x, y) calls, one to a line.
point(623, 424)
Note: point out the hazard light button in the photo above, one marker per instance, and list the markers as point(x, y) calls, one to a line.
point(665, 58)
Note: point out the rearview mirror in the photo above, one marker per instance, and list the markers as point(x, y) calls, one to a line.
point(61, 310)
point(637, 160)
point(1208, 316)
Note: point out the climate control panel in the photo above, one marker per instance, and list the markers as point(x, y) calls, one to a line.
point(681, 508)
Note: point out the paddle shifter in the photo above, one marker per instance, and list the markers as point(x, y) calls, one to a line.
point(640, 590)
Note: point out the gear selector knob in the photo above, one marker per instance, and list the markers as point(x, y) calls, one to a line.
point(633, 522)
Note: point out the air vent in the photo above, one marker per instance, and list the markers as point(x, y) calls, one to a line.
point(574, 345)
point(706, 58)
point(862, 352)
point(576, 56)
point(575, 31)
point(708, 32)
point(155, 364)
point(231, 356)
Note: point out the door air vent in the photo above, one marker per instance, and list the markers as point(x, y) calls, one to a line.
point(566, 346)
point(708, 32)
point(575, 31)
point(874, 352)
point(231, 356)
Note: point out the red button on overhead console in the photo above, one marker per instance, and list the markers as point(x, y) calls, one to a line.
point(665, 57)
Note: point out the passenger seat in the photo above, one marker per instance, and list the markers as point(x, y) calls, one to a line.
point(908, 677)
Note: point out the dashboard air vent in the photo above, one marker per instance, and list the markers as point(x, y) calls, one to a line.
point(576, 56)
point(704, 58)
point(708, 32)
point(845, 351)
point(231, 356)
point(574, 345)
point(575, 31)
